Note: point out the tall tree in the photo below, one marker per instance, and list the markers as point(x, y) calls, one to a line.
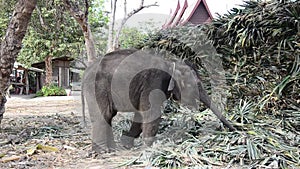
point(98, 21)
point(113, 40)
point(82, 18)
point(12, 44)
point(52, 33)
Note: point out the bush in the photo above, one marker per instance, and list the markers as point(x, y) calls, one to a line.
point(51, 90)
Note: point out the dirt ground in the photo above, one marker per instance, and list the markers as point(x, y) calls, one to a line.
point(48, 133)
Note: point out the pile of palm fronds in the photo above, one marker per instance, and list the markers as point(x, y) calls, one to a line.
point(193, 140)
point(259, 47)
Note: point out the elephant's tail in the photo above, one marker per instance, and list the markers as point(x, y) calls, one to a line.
point(83, 105)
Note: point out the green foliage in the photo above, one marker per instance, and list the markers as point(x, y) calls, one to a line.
point(6, 9)
point(135, 37)
point(97, 17)
point(51, 90)
point(131, 37)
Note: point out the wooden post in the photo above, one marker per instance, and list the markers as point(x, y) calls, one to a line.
point(60, 76)
point(26, 81)
point(37, 77)
point(68, 77)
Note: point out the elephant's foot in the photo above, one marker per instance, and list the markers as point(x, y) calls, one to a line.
point(127, 141)
point(102, 149)
point(149, 141)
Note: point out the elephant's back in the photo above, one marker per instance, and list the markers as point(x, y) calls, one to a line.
point(104, 67)
point(110, 62)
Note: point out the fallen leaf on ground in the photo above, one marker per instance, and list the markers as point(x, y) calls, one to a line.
point(8, 159)
point(43, 148)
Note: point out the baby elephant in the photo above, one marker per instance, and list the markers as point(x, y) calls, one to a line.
point(139, 82)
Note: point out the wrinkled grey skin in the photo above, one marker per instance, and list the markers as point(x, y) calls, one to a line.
point(134, 81)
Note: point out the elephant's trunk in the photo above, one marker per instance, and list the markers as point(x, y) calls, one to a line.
point(204, 98)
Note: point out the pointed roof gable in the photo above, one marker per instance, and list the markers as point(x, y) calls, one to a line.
point(179, 15)
point(192, 11)
point(198, 7)
point(173, 16)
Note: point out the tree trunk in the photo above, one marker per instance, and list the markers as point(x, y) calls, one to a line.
point(82, 19)
point(12, 44)
point(111, 26)
point(48, 66)
point(116, 44)
point(89, 44)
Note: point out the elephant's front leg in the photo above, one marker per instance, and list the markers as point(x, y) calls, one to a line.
point(127, 138)
point(150, 129)
point(151, 113)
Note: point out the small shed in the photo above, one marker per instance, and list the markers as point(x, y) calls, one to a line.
point(24, 79)
point(189, 12)
point(61, 71)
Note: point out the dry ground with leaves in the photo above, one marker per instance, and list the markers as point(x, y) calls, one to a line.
point(48, 133)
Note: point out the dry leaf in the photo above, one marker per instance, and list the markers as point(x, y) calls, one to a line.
point(47, 148)
point(8, 159)
point(31, 151)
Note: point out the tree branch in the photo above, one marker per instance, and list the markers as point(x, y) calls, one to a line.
point(125, 7)
point(142, 3)
point(76, 13)
point(41, 18)
point(110, 41)
point(86, 9)
point(141, 7)
point(126, 17)
point(82, 19)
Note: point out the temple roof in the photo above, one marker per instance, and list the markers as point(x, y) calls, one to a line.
point(189, 11)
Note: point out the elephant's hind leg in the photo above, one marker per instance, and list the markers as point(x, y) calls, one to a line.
point(127, 138)
point(109, 132)
point(101, 116)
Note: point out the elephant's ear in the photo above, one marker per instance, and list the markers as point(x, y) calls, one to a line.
point(172, 83)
